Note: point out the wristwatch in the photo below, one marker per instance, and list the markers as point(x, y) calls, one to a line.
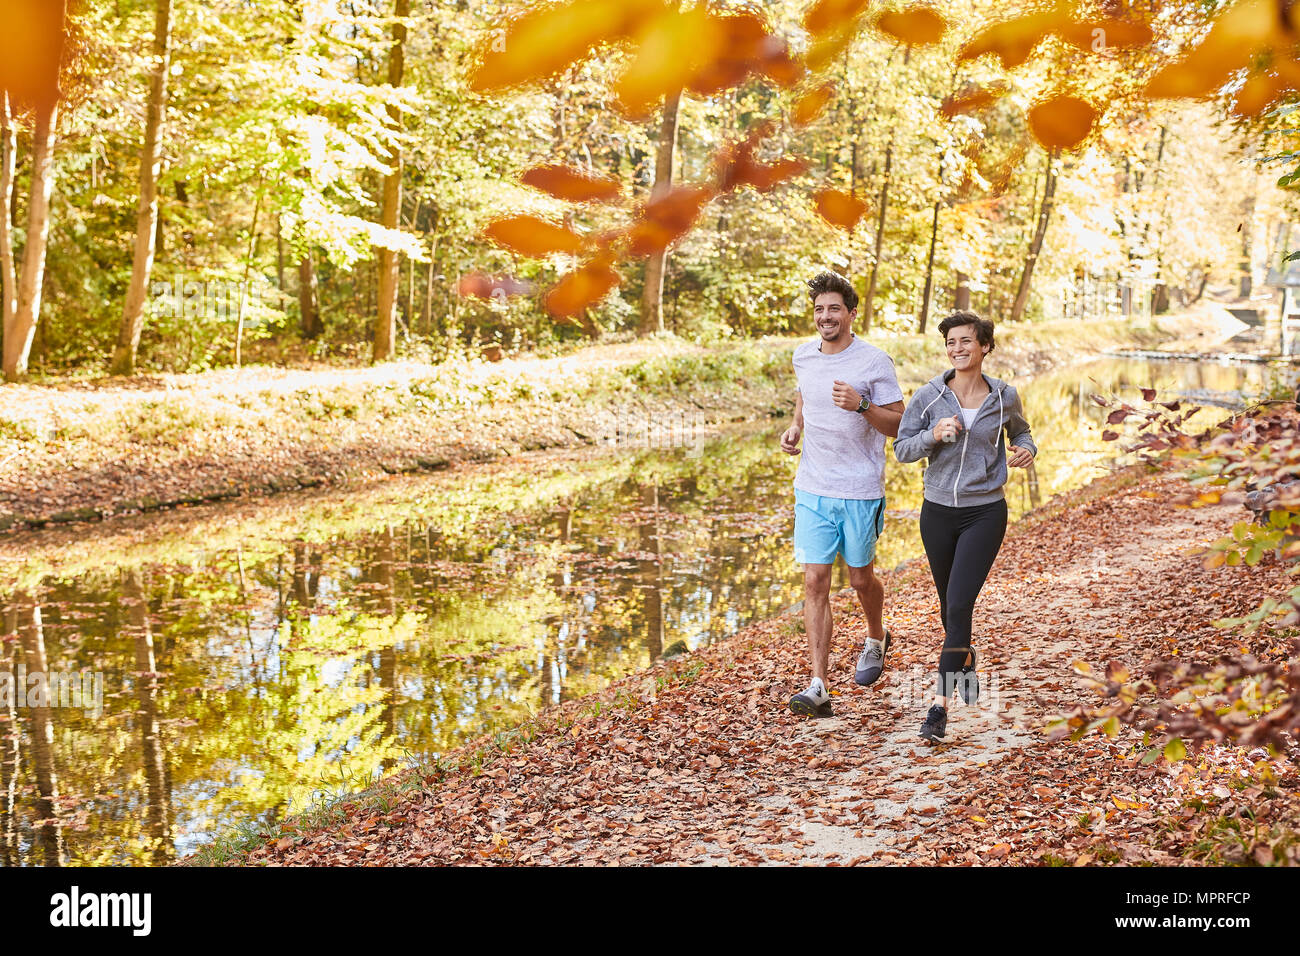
point(864, 404)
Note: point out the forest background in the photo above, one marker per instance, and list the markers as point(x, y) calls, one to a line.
point(312, 179)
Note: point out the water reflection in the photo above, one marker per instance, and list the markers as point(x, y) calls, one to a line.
point(250, 661)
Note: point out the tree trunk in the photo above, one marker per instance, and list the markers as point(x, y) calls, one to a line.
point(386, 319)
point(308, 307)
point(869, 310)
point(961, 300)
point(1200, 288)
point(1036, 243)
point(40, 728)
point(8, 277)
point(929, 270)
point(153, 751)
point(18, 336)
point(652, 299)
point(146, 217)
point(243, 285)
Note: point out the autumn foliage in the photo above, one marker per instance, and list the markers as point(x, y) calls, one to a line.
point(703, 51)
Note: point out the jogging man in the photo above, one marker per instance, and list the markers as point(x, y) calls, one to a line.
point(848, 401)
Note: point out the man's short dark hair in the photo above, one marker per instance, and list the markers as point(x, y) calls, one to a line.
point(983, 327)
point(833, 282)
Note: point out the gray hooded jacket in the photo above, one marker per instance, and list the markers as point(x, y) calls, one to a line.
point(971, 470)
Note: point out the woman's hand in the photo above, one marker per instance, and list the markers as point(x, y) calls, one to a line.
point(1018, 457)
point(790, 440)
point(947, 429)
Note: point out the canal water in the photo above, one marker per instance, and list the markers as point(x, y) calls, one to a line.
point(253, 657)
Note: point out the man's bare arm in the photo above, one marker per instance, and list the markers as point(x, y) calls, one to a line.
point(885, 418)
point(790, 438)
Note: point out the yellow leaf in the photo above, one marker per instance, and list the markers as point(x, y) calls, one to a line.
point(542, 42)
point(1175, 751)
point(829, 49)
point(671, 50)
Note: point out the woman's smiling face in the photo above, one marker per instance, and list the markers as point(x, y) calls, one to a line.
point(964, 349)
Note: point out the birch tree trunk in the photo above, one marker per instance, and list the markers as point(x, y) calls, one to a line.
point(146, 219)
point(652, 299)
point(18, 336)
point(8, 277)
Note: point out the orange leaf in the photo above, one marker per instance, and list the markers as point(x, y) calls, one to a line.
point(1096, 36)
point(746, 46)
point(541, 43)
point(1012, 41)
point(764, 177)
point(972, 101)
point(574, 185)
point(809, 106)
point(533, 237)
point(666, 219)
point(1255, 94)
point(478, 285)
point(671, 50)
point(1243, 31)
point(826, 15)
point(784, 70)
point(579, 290)
point(1062, 122)
point(918, 26)
point(840, 208)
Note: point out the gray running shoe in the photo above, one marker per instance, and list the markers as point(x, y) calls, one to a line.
point(814, 702)
point(871, 661)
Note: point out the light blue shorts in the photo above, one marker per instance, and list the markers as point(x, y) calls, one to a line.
point(825, 527)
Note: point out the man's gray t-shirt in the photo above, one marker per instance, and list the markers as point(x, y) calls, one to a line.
point(842, 456)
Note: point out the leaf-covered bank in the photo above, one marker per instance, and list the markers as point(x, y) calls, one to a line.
point(87, 451)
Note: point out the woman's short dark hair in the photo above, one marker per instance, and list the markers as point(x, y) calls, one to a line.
point(983, 327)
point(825, 282)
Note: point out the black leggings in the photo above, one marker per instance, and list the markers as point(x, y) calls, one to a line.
point(961, 544)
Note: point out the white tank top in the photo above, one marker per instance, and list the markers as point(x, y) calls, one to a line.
point(969, 415)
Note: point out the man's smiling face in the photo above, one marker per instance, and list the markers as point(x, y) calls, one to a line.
point(832, 319)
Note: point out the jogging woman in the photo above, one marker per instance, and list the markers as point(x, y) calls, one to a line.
point(958, 421)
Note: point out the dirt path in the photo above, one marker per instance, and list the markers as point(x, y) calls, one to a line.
point(701, 762)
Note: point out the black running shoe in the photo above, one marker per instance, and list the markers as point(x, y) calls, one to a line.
point(814, 702)
point(936, 723)
point(969, 682)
